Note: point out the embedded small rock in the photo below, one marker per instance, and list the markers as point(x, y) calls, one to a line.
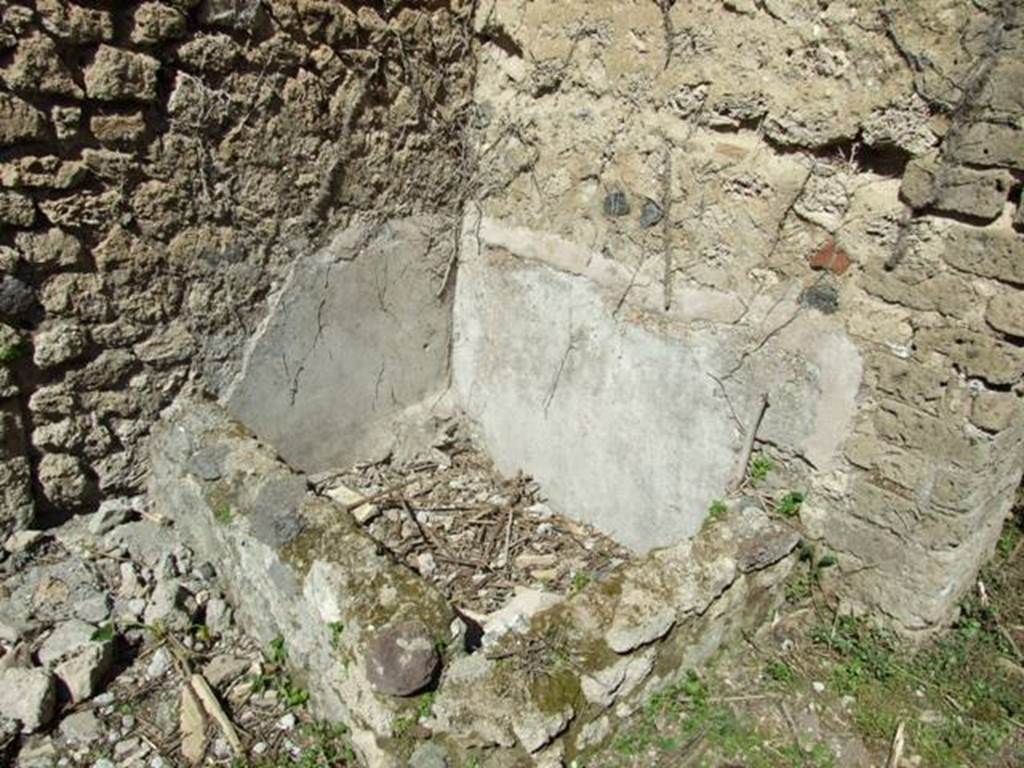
point(822, 297)
point(616, 204)
point(402, 659)
point(650, 214)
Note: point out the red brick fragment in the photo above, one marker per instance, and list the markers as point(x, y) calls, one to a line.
point(831, 257)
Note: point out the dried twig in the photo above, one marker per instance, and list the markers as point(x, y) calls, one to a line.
point(748, 447)
point(896, 750)
point(208, 699)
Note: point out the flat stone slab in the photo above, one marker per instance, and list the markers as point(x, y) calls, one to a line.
point(631, 422)
point(358, 333)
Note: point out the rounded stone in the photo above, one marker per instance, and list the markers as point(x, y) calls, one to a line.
point(402, 659)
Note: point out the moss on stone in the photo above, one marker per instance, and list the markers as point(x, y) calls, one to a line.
point(553, 693)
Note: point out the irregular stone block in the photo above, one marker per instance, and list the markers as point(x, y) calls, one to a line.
point(996, 411)
point(66, 121)
point(19, 121)
point(156, 22)
point(985, 252)
point(17, 507)
point(903, 123)
point(38, 68)
point(989, 144)
point(116, 75)
point(28, 696)
point(43, 172)
point(16, 297)
point(168, 346)
point(74, 23)
point(216, 53)
point(52, 249)
point(927, 184)
point(64, 480)
point(1005, 313)
point(118, 128)
point(980, 355)
point(58, 343)
point(234, 14)
point(16, 210)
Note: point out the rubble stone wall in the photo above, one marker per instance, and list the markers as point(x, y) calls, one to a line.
point(162, 164)
point(799, 195)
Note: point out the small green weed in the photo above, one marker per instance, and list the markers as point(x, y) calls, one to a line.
point(336, 629)
point(789, 505)
point(780, 672)
point(223, 514)
point(973, 704)
point(580, 579)
point(686, 713)
point(425, 705)
point(760, 467)
point(716, 511)
point(9, 353)
point(800, 586)
point(104, 633)
point(276, 677)
point(277, 651)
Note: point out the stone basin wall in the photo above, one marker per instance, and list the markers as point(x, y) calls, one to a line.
point(366, 635)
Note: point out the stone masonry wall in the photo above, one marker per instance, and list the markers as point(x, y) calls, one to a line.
point(161, 164)
point(734, 170)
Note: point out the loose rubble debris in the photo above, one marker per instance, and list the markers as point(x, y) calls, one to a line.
point(118, 649)
point(482, 539)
